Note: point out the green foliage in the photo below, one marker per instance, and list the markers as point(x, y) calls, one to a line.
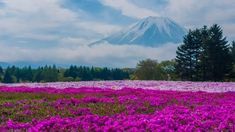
point(152, 70)
point(188, 55)
point(204, 55)
point(218, 56)
point(233, 73)
point(67, 79)
point(168, 70)
point(147, 70)
point(233, 51)
point(52, 74)
point(8, 78)
point(1, 73)
point(93, 73)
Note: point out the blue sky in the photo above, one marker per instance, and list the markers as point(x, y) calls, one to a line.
point(58, 31)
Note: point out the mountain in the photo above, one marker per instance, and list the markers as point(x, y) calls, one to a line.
point(151, 31)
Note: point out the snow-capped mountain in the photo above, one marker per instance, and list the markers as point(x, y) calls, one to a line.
point(151, 31)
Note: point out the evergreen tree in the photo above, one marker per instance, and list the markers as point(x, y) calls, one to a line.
point(1, 70)
point(50, 74)
point(73, 71)
point(219, 58)
point(37, 76)
point(8, 78)
point(1, 74)
point(233, 51)
point(232, 74)
point(187, 59)
point(25, 74)
point(204, 55)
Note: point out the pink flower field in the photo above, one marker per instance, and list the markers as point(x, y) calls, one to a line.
point(132, 106)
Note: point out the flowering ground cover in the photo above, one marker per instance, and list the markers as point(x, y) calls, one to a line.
point(156, 85)
point(91, 108)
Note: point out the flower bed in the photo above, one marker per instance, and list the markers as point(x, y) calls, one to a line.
point(127, 109)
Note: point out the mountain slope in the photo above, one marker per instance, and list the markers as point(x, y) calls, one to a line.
point(151, 31)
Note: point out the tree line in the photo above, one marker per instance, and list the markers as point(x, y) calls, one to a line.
point(15, 74)
point(204, 55)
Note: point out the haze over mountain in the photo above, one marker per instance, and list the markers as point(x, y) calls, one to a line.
point(150, 31)
point(59, 32)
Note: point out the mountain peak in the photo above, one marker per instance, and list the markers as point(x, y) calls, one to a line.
point(159, 21)
point(150, 31)
point(154, 18)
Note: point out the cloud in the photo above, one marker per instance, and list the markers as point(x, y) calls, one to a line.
point(192, 12)
point(229, 29)
point(47, 19)
point(189, 13)
point(68, 31)
point(129, 9)
point(98, 55)
point(195, 14)
point(102, 28)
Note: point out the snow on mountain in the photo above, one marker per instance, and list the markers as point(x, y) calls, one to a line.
point(151, 31)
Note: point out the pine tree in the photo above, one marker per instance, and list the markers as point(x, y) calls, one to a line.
point(233, 51)
point(205, 55)
point(37, 77)
point(187, 59)
point(218, 55)
point(1, 70)
point(1, 74)
point(233, 56)
point(8, 77)
point(50, 74)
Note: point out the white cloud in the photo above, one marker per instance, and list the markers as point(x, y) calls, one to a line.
point(129, 9)
point(48, 20)
point(71, 42)
point(32, 18)
point(98, 55)
point(194, 13)
point(45, 19)
point(102, 28)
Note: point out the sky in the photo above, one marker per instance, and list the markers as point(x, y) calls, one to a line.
point(59, 31)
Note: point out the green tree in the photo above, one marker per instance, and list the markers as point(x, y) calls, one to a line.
point(204, 55)
point(1, 74)
point(233, 51)
point(168, 70)
point(233, 56)
point(73, 72)
point(8, 78)
point(218, 55)
point(187, 59)
point(25, 74)
point(147, 70)
point(50, 74)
